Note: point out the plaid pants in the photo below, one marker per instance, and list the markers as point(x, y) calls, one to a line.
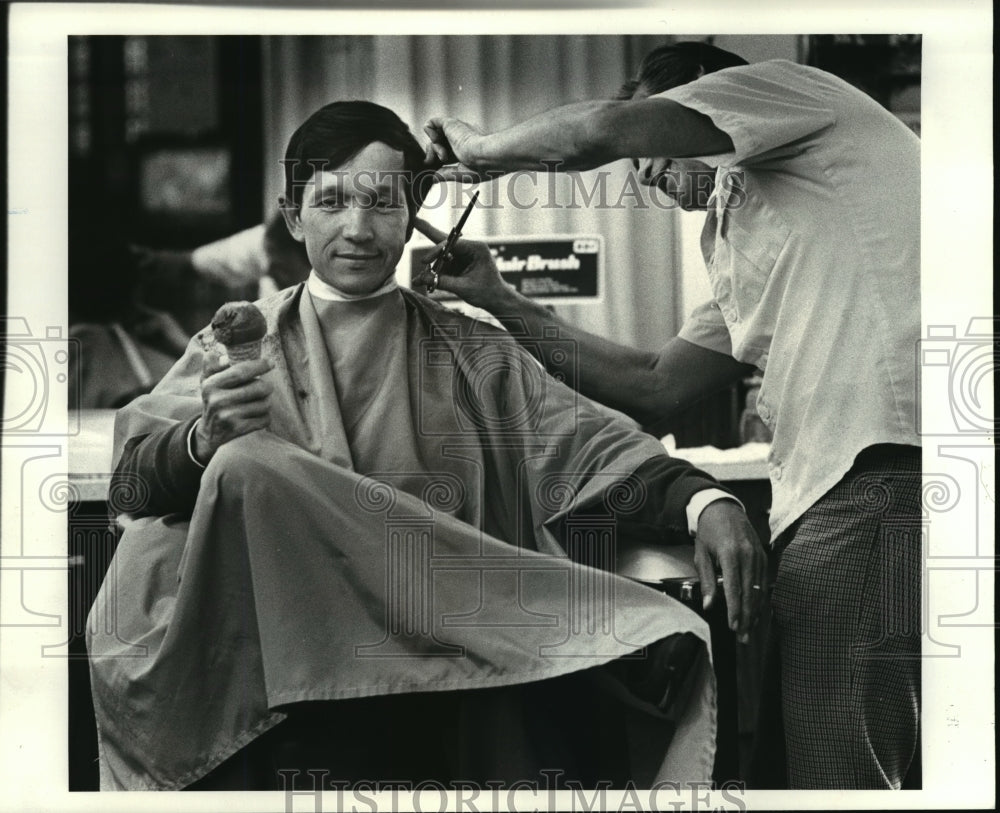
point(846, 625)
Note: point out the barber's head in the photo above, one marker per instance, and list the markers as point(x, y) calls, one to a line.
point(687, 181)
point(353, 185)
point(670, 66)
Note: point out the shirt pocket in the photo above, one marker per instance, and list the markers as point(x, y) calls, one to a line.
point(741, 266)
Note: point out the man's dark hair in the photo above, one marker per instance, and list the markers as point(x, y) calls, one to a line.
point(337, 132)
point(677, 64)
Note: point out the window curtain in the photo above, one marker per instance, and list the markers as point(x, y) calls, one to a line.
point(495, 81)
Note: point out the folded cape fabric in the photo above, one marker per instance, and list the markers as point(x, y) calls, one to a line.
point(429, 511)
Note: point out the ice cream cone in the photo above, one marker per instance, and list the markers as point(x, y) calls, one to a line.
point(244, 352)
point(240, 328)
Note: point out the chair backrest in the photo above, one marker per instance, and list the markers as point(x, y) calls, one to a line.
point(656, 563)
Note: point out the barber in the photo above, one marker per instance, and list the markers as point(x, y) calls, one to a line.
point(811, 243)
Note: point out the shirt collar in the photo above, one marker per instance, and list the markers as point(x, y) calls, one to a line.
point(323, 290)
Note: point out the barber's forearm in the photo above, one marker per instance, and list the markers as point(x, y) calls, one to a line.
point(649, 387)
point(615, 375)
point(586, 135)
point(571, 137)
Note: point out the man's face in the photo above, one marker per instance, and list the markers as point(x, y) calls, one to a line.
point(687, 182)
point(353, 220)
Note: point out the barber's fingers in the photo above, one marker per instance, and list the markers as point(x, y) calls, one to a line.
point(457, 266)
point(432, 233)
point(451, 282)
point(462, 247)
point(435, 130)
point(431, 159)
point(453, 143)
point(425, 279)
point(462, 253)
point(468, 269)
point(458, 172)
point(443, 153)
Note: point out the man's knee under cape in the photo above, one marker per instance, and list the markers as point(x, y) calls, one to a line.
point(385, 540)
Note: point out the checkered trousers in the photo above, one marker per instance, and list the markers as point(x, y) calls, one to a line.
point(846, 607)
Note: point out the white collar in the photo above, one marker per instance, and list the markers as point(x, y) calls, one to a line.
point(323, 290)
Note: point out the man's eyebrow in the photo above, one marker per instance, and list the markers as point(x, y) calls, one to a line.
point(330, 187)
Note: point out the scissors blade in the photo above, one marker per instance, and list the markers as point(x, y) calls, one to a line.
point(466, 213)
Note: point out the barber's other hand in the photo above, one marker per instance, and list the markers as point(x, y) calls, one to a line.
point(454, 150)
point(727, 542)
point(471, 273)
point(235, 401)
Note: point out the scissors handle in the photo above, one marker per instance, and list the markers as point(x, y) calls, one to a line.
point(449, 244)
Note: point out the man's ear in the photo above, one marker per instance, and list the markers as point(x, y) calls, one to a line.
point(418, 194)
point(290, 212)
point(412, 211)
point(701, 72)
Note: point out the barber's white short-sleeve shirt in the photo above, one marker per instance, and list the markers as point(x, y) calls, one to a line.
point(812, 244)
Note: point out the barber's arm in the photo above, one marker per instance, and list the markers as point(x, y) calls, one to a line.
point(235, 402)
point(578, 136)
point(648, 386)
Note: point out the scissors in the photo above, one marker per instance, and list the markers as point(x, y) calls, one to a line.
point(446, 256)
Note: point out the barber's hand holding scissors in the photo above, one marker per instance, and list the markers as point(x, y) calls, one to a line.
point(470, 273)
point(727, 542)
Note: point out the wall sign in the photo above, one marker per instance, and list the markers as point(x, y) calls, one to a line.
point(552, 269)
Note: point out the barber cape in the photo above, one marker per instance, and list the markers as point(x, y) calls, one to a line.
point(390, 533)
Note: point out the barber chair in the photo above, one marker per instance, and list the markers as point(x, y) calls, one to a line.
point(671, 570)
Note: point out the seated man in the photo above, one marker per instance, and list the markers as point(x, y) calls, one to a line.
point(371, 552)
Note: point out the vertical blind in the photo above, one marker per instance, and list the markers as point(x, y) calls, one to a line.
point(493, 82)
